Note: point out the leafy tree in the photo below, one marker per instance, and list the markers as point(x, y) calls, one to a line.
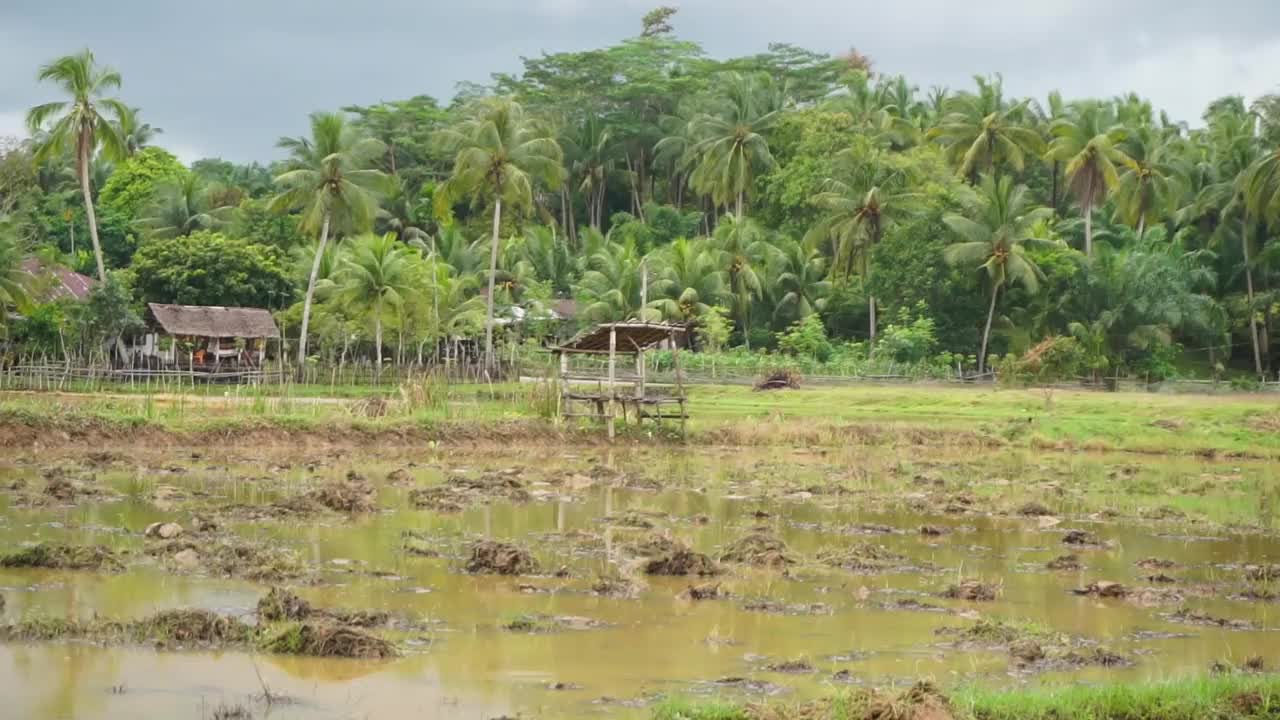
point(135, 133)
point(689, 280)
point(745, 252)
point(208, 268)
point(731, 146)
point(799, 283)
point(183, 205)
point(331, 179)
point(79, 125)
point(658, 21)
point(500, 154)
point(1089, 144)
point(981, 131)
point(376, 271)
point(13, 278)
point(993, 239)
point(807, 338)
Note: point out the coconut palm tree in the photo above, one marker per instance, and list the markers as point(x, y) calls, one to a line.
point(731, 147)
point(981, 131)
point(859, 207)
point(14, 280)
point(799, 282)
point(500, 153)
point(610, 287)
point(332, 178)
point(689, 280)
point(993, 240)
point(182, 206)
point(376, 271)
point(78, 124)
point(134, 133)
point(1144, 191)
point(745, 253)
point(1089, 144)
point(544, 255)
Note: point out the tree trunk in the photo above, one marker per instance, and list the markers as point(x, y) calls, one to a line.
point(871, 309)
point(1053, 192)
point(1088, 226)
point(1142, 224)
point(377, 331)
point(493, 276)
point(311, 292)
point(83, 162)
point(738, 209)
point(1248, 280)
point(986, 331)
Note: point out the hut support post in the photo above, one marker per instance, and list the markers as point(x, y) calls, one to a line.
point(562, 372)
point(613, 357)
point(640, 374)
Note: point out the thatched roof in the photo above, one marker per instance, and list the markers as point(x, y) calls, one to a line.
point(213, 321)
point(632, 336)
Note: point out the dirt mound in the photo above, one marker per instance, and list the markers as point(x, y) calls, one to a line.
point(229, 557)
point(537, 623)
point(705, 591)
point(615, 587)
point(864, 558)
point(1102, 589)
point(781, 379)
point(1262, 573)
point(933, 530)
point(353, 495)
point(797, 666)
point(923, 701)
point(1098, 656)
point(460, 492)
point(280, 604)
point(1034, 509)
point(1064, 562)
point(1195, 617)
point(1081, 538)
point(64, 557)
point(499, 558)
point(759, 548)
point(1026, 651)
point(664, 556)
point(974, 590)
point(322, 639)
point(192, 626)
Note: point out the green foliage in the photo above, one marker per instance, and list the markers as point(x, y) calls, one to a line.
point(908, 339)
point(713, 329)
point(807, 338)
point(134, 182)
point(208, 268)
point(109, 312)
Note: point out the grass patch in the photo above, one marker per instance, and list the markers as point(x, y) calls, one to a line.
point(64, 557)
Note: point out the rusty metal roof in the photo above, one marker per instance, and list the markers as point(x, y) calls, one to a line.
point(632, 336)
point(64, 281)
point(214, 321)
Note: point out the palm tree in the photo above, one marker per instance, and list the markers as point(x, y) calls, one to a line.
point(408, 217)
point(375, 272)
point(993, 239)
point(14, 280)
point(1089, 145)
point(610, 287)
point(1144, 191)
point(79, 123)
point(545, 256)
point(858, 210)
point(980, 131)
point(689, 280)
point(731, 146)
point(500, 153)
point(745, 252)
point(133, 132)
point(182, 206)
point(799, 282)
point(331, 177)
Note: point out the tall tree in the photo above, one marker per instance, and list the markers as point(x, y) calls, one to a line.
point(79, 125)
point(376, 272)
point(993, 239)
point(745, 253)
point(14, 279)
point(182, 206)
point(981, 131)
point(1144, 190)
point(134, 133)
point(1089, 144)
point(331, 178)
point(731, 147)
point(500, 153)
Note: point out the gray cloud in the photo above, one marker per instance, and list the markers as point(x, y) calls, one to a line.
point(230, 78)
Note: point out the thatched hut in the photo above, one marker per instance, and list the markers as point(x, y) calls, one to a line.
point(205, 336)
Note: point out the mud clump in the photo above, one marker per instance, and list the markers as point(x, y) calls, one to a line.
point(1195, 617)
point(538, 624)
point(279, 605)
point(865, 558)
point(193, 626)
point(1252, 664)
point(1262, 573)
point(614, 586)
point(1095, 657)
point(230, 557)
point(973, 590)
point(1026, 651)
point(1152, 563)
point(1034, 509)
point(460, 492)
point(64, 557)
point(323, 639)
point(1065, 562)
point(705, 591)
point(489, 557)
point(163, 530)
point(1103, 589)
point(663, 556)
point(352, 495)
point(1081, 538)
point(759, 548)
point(797, 667)
point(59, 487)
point(923, 701)
point(933, 530)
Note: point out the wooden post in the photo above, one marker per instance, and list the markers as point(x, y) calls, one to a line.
point(675, 356)
point(640, 374)
point(613, 357)
point(562, 372)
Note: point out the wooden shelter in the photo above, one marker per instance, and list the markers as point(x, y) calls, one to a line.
point(205, 336)
point(630, 338)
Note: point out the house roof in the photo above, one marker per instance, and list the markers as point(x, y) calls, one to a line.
point(213, 321)
point(632, 336)
point(66, 283)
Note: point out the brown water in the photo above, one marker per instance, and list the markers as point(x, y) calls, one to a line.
point(466, 666)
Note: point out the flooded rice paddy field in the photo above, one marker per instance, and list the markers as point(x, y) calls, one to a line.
point(548, 582)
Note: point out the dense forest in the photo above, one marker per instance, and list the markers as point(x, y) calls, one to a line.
point(789, 201)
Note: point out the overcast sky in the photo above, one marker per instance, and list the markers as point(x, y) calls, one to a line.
point(228, 78)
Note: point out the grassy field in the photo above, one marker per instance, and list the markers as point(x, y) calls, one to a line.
point(1246, 425)
point(1230, 697)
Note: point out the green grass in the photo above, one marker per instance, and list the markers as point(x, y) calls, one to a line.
point(1231, 697)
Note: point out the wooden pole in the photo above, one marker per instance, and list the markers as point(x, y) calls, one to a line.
point(613, 357)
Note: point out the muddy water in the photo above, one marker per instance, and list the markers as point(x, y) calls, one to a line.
point(462, 663)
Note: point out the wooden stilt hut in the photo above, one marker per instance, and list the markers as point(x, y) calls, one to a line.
point(631, 339)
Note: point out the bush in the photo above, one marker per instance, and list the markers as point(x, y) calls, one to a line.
point(806, 338)
point(907, 340)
